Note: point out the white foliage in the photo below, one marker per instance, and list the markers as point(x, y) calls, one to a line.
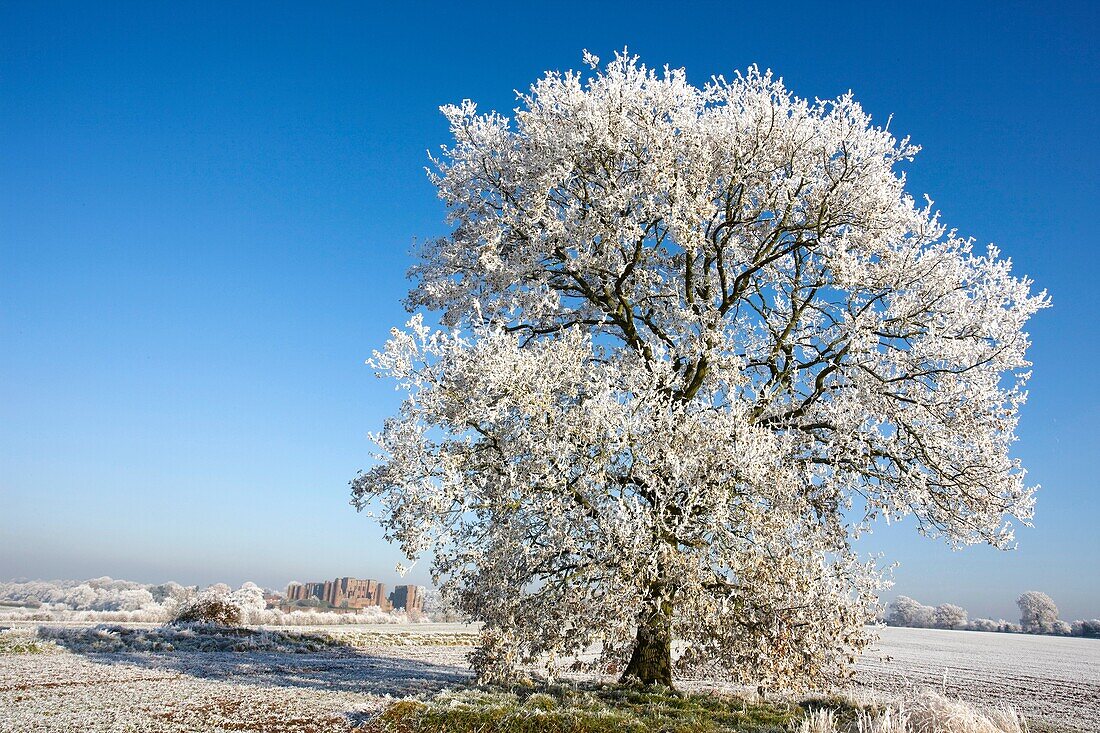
point(103, 600)
point(1038, 614)
point(97, 594)
point(904, 611)
point(250, 599)
point(692, 327)
point(950, 616)
point(1089, 627)
point(1001, 625)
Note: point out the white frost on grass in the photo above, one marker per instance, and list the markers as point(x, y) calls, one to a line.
point(175, 679)
point(104, 639)
point(925, 712)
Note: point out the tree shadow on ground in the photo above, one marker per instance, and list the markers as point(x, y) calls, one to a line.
point(269, 658)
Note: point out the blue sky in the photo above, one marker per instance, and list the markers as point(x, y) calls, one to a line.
point(206, 214)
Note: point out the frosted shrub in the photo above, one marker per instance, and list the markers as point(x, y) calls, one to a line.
point(249, 599)
point(104, 600)
point(949, 616)
point(905, 611)
point(1086, 628)
point(218, 611)
point(988, 624)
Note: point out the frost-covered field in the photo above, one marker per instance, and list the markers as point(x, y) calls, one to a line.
point(142, 678)
point(1055, 679)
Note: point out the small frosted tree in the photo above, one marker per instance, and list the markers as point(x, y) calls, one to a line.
point(950, 616)
point(904, 611)
point(688, 331)
point(1038, 613)
point(250, 599)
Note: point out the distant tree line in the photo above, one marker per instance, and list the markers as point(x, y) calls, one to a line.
point(1038, 615)
point(107, 599)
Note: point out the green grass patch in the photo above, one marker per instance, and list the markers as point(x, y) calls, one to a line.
point(559, 709)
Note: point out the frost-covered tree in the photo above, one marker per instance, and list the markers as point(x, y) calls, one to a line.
point(172, 592)
point(1001, 625)
point(950, 616)
point(688, 331)
point(250, 599)
point(1038, 613)
point(904, 611)
point(1089, 627)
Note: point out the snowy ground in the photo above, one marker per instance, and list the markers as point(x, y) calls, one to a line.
point(1055, 679)
point(145, 680)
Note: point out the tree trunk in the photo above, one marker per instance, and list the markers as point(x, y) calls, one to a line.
point(651, 660)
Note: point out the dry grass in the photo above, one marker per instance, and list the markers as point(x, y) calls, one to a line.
point(926, 712)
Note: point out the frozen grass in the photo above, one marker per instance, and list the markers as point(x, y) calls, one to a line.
point(927, 712)
point(202, 678)
point(933, 713)
point(106, 639)
point(185, 638)
point(607, 709)
point(560, 709)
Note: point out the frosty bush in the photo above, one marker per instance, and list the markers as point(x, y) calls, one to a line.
point(1089, 628)
point(218, 611)
point(1000, 625)
point(219, 604)
point(249, 598)
point(904, 611)
point(984, 624)
point(949, 616)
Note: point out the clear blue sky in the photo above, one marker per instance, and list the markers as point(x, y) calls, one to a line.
point(206, 214)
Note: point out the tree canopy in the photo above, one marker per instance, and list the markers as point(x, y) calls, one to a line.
point(694, 340)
